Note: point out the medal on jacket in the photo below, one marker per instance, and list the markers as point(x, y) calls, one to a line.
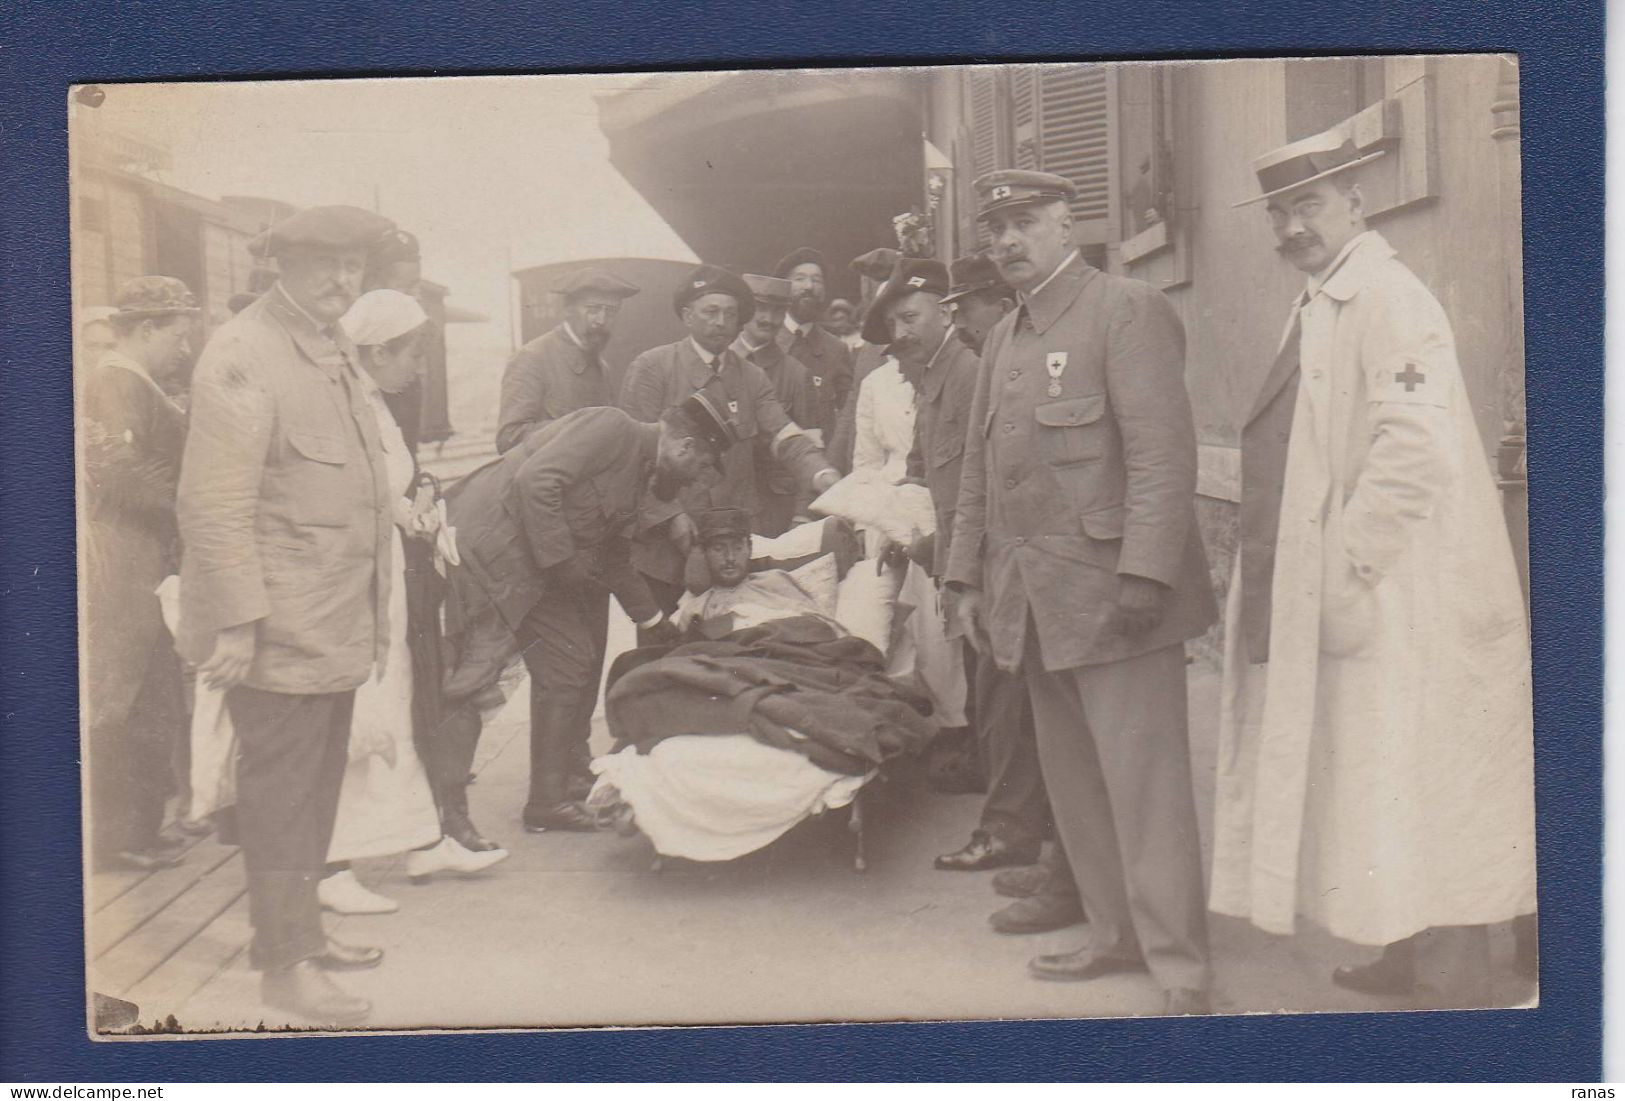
point(1055, 363)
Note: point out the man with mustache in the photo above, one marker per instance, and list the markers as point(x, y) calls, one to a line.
point(548, 532)
point(713, 304)
point(829, 363)
point(1080, 567)
point(563, 369)
point(1376, 745)
point(285, 516)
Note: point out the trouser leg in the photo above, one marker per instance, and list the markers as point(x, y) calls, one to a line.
point(291, 756)
point(1086, 837)
point(1452, 967)
point(1017, 807)
point(1127, 746)
point(562, 640)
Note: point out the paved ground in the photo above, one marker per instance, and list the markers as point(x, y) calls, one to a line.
point(578, 930)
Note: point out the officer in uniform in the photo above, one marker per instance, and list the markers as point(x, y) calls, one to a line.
point(563, 369)
point(712, 301)
point(829, 363)
point(1079, 565)
point(777, 498)
point(284, 510)
point(548, 532)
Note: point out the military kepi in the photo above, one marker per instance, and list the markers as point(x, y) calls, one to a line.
point(1012, 187)
point(726, 522)
point(710, 279)
point(148, 296)
point(970, 274)
point(1305, 161)
point(911, 276)
point(594, 281)
point(324, 227)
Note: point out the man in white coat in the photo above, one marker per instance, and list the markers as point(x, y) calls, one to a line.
point(1376, 743)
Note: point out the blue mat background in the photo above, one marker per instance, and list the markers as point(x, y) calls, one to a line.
point(49, 46)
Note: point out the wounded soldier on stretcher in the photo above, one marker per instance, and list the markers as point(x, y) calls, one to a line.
point(775, 707)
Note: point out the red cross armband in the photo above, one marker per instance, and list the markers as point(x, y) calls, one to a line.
point(1410, 379)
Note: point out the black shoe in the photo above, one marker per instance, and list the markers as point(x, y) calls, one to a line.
point(1080, 966)
point(304, 989)
point(1387, 975)
point(460, 828)
point(561, 816)
point(578, 787)
point(985, 851)
point(348, 957)
point(1026, 882)
point(1038, 914)
point(1186, 1003)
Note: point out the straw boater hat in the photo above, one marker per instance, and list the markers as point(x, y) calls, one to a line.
point(1305, 161)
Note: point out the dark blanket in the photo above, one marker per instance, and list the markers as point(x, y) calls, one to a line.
point(792, 684)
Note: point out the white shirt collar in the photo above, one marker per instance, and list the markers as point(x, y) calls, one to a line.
point(793, 328)
point(1318, 280)
point(115, 358)
point(1059, 268)
point(574, 339)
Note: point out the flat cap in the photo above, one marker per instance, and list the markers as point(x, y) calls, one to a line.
point(331, 227)
point(877, 263)
point(797, 257)
point(970, 274)
point(725, 522)
point(769, 289)
point(710, 279)
point(912, 275)
point(154, 296)
point(716, 430)
point(596, 281)
point(1012, 187)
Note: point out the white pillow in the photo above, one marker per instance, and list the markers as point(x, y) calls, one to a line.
point(900, 512)
point(819, 579)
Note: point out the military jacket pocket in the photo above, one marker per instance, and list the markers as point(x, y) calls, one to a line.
point(1070, 430)
point(317, 485)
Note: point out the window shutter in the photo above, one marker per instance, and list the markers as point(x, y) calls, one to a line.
point(1074, 127)
point(1024, 103)
point(984, 146)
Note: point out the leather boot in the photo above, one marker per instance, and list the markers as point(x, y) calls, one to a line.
point(549, 806)
point(1393, 972)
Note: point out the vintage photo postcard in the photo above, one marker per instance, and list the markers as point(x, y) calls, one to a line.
point(999, 541)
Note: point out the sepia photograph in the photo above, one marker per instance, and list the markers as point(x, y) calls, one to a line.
point(773, 546)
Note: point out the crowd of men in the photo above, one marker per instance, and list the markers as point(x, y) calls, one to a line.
point(1375, 766)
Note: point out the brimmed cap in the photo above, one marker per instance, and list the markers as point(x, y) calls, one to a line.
point(769, 288)
point(594, 281)
point(803, 255)
point(1305, 161)
point(154, 296)
point(725, 522)
point(970, 274)
point(912, 275)
point(710, 279)
point(877, 263)
point(329, 227)
point(1013, 187)
point(716, 431)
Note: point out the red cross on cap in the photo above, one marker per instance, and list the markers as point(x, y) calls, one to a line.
point(1002, 191)
point(917, 281)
